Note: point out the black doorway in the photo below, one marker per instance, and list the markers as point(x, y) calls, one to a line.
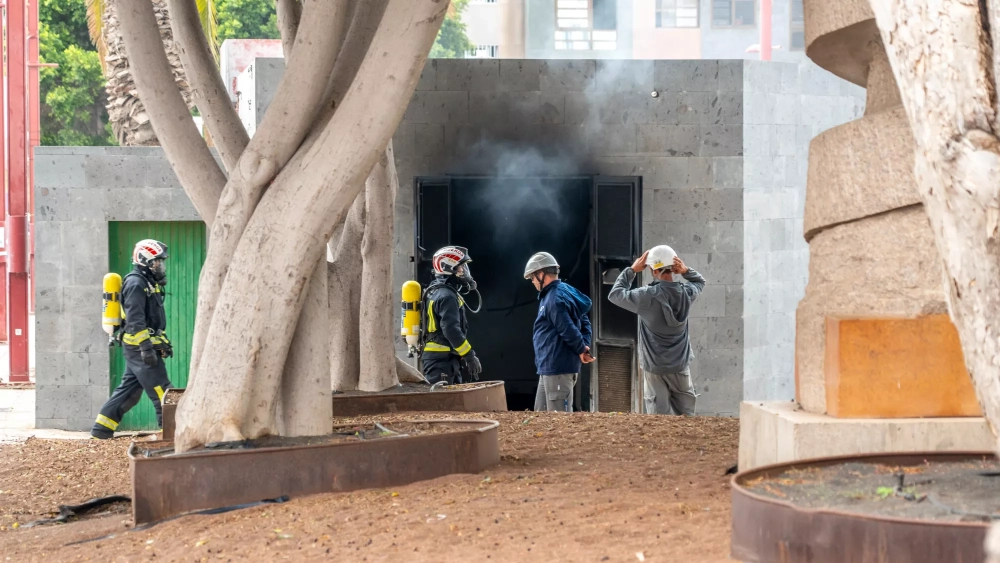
point(503, 221)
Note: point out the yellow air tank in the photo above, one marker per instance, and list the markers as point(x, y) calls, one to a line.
point(112, 302)
point(410, 315)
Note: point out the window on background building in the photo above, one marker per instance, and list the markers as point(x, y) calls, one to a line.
point(586, 25)
point(605, 14)
point(734, 13)
point(797, 27)
point(485, 52)
point(677, 13)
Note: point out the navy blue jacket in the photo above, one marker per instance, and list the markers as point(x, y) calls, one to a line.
point(562, 329)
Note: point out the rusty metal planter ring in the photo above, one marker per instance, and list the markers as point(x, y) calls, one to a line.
point(768, 530)
point(482, 397)
point(172, 485)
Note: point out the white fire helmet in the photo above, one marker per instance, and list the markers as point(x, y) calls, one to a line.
point(148, 250)
point(660, 257)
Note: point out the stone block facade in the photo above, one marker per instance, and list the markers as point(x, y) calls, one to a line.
point(78, 190)
point(721, 149)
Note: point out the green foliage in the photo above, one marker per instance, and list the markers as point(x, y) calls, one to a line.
point(246, 19)
point(72, 95)
point(452, 42)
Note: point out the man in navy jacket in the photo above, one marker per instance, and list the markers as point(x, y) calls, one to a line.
point(562, 334)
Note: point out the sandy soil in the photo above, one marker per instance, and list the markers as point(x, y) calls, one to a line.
point(581, 487)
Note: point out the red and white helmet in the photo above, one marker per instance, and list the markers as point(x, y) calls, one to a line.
point(448, 259)
point(148, 250)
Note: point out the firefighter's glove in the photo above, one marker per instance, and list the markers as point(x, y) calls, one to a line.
point(149, 355)
point(473, 366)
point(165, 350)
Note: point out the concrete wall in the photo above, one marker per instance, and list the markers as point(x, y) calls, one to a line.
point(720, 152)
point(77, 191)
point(786, 105)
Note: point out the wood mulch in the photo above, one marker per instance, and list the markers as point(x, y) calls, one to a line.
point(579, 487)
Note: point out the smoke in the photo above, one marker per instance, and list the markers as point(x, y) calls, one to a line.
point(521, 190)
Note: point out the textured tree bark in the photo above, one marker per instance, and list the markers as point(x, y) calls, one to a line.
point(378, 354)
point(289, 16)
point(258, 308)
point(344, 270)
point(209, 91)
point(406, 373)
point(305, 406)
point(944, 64)
point(289, 118)
point(184, 146)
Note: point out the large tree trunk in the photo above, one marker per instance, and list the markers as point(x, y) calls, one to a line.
point(344, 272)
point(269, 234)
point(940, 52)
point(378, 355)
point(306, 408)
point(362, 354)
point(290, 117)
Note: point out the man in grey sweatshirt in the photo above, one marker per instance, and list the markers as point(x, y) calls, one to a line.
point(664, 344)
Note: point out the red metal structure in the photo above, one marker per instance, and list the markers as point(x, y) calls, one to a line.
point(765, 30)
point(21, 133)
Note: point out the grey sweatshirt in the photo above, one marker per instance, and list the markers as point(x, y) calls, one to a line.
point(663, 308)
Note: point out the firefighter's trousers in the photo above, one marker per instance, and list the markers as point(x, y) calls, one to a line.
point(443, 367)
point(138, 378)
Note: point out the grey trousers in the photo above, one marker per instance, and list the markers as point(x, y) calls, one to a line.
point(555, 392)
point(669, 394)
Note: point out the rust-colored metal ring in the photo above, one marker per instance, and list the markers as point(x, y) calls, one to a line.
point(767, 530)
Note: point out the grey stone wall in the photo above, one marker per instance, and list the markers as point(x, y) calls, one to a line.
point(77, 191)
point(786, 105)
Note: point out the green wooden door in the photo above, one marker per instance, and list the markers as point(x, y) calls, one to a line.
point(186, 242)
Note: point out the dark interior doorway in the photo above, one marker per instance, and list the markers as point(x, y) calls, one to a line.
point(503, 221)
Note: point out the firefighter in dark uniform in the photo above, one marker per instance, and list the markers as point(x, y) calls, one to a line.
point(447, 353)
point(144, 344)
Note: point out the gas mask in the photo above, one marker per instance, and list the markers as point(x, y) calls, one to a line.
point(464, 279)
point(159, 270)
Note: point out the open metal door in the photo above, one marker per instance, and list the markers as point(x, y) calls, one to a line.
point(432, 198)
point(615, 384)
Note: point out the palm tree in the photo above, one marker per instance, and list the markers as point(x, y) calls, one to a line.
point(129, 121)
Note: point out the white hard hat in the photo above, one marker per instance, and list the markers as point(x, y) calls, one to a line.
point(660, 257)
point(539, 261)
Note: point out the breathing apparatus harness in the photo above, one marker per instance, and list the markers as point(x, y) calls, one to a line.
point(114, 309)
point(464, 288)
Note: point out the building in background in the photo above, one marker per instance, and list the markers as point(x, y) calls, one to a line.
point(631, 29)
point(496, 28)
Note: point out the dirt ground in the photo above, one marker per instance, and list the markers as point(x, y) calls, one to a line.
point(580, 487)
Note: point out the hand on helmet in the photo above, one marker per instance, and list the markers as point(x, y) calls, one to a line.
point(640, 264)
point(679, 267)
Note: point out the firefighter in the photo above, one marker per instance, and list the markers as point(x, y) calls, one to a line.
point(447, 353)
point(144, 344)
